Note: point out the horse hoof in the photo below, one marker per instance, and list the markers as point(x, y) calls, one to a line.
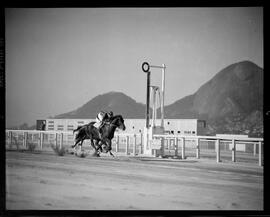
point(96, 155)
point(81, 154)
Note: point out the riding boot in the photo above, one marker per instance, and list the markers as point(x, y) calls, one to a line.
point(99, 133)
point(99, 130)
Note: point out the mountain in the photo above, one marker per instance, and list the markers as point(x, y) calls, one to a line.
point(230, 102)
point(236, 89)
point(117, 102)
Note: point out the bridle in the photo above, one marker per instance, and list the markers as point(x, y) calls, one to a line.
point(111, 123)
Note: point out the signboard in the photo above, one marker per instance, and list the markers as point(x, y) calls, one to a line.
point(155, 143)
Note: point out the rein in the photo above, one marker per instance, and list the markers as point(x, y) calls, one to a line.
point(111, 123)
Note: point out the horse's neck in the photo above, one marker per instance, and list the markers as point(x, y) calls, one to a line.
point(110, 131)
point(109, 128)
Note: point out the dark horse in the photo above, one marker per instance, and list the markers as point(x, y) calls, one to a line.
point(89, 131)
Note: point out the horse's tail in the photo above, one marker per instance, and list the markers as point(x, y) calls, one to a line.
point(79, 127)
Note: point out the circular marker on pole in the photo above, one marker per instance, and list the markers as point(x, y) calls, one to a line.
point(145, 67)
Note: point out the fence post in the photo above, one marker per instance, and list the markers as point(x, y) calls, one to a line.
point(197, 148)
point(55, 140)
point(24, 139)
point(169, 145)
point(218, 150)
point(134, 145)
point(41, 140)
point(254, 148)
point(10, 139)
point(260, 154)
point(162, 153)
point(233, 150)
point(127, 144)
point(61, 140)
point(183, 148)
point(141, 146)
point(176, 146)
point(117, 144)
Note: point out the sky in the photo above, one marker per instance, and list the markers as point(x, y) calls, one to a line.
point(57, 59)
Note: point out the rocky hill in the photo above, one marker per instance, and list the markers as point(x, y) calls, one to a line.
point(117, 102)
point(231, 102)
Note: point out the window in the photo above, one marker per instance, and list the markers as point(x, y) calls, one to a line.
point(70, 127)
point(172, 132)
point(193, 132)
point(168, 123)
point(50, 127)
point(60, 127)
point(202, 124)
point(178, 131)
point(50, 122)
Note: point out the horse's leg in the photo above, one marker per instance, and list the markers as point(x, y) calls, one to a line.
point(77, 141)
point(81, 144)
point(109, 147)
point(92, 144)
point(98, 146)
point(111, 153)
point(95, 149)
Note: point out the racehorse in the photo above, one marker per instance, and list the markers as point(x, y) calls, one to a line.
point(89, 131)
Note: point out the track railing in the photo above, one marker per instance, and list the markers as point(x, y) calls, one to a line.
point(130, 142)
point(217, 139)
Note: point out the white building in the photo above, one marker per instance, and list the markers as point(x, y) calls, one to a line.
point(172, 126)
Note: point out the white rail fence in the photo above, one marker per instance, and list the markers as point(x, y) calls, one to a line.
point(233, 140)
point(132, 143)
point(127, 143)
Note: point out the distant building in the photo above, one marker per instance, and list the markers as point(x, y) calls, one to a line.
point(172, 126)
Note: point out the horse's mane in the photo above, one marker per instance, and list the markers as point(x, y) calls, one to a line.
point(116, 117)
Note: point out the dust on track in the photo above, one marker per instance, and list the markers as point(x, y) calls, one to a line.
point(48, 181)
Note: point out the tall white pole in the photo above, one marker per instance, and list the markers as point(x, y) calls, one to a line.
point(154, 107)
point(152, 102)
point(163, 95)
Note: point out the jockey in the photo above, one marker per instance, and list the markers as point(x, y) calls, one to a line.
point(101, 118)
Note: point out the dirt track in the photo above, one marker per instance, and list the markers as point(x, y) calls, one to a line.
point(46, 181)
